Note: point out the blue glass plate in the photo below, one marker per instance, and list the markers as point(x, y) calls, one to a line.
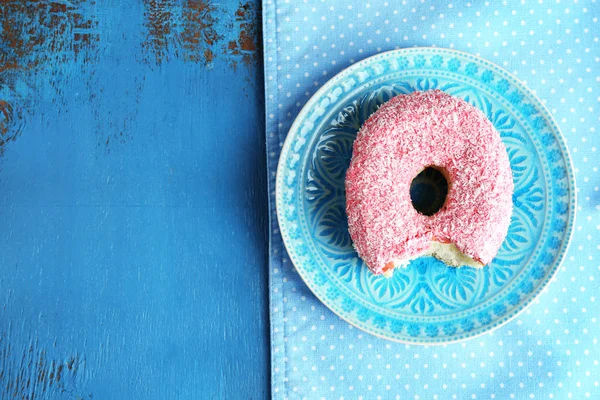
point(428, 302)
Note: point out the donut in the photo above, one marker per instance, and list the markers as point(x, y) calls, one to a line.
point(405, 136)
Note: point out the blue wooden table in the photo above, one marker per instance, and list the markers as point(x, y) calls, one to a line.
point(132, 200)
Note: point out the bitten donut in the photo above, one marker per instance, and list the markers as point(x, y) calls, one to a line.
point(406, 135)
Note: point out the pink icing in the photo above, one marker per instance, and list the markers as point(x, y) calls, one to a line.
point(407, 134)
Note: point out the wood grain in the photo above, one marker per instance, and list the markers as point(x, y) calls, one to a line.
point(133, 201)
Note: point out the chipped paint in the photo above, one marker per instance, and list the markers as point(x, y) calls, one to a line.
point(244, 48)
point(159, 22)
point(200, 31)
point(11, 124)
point(199, 36)
point(36, 35)
point(33, 374)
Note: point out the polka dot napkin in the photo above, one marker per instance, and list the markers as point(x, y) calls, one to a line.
point(551, 350)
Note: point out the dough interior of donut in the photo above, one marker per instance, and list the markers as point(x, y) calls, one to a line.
point(446, 252)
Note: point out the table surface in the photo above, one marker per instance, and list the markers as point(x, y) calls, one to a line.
point(133, 200)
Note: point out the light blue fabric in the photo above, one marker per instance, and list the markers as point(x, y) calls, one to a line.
point(549, 351)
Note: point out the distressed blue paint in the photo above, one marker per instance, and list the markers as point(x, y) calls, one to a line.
point(136, 267)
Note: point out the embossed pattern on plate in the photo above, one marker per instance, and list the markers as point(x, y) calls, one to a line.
point(428, 302)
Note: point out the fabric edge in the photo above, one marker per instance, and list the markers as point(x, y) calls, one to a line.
point(275, 286)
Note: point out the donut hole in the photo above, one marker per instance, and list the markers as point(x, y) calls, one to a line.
point(428, 191)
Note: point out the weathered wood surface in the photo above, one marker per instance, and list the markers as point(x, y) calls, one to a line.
point(132, 200)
